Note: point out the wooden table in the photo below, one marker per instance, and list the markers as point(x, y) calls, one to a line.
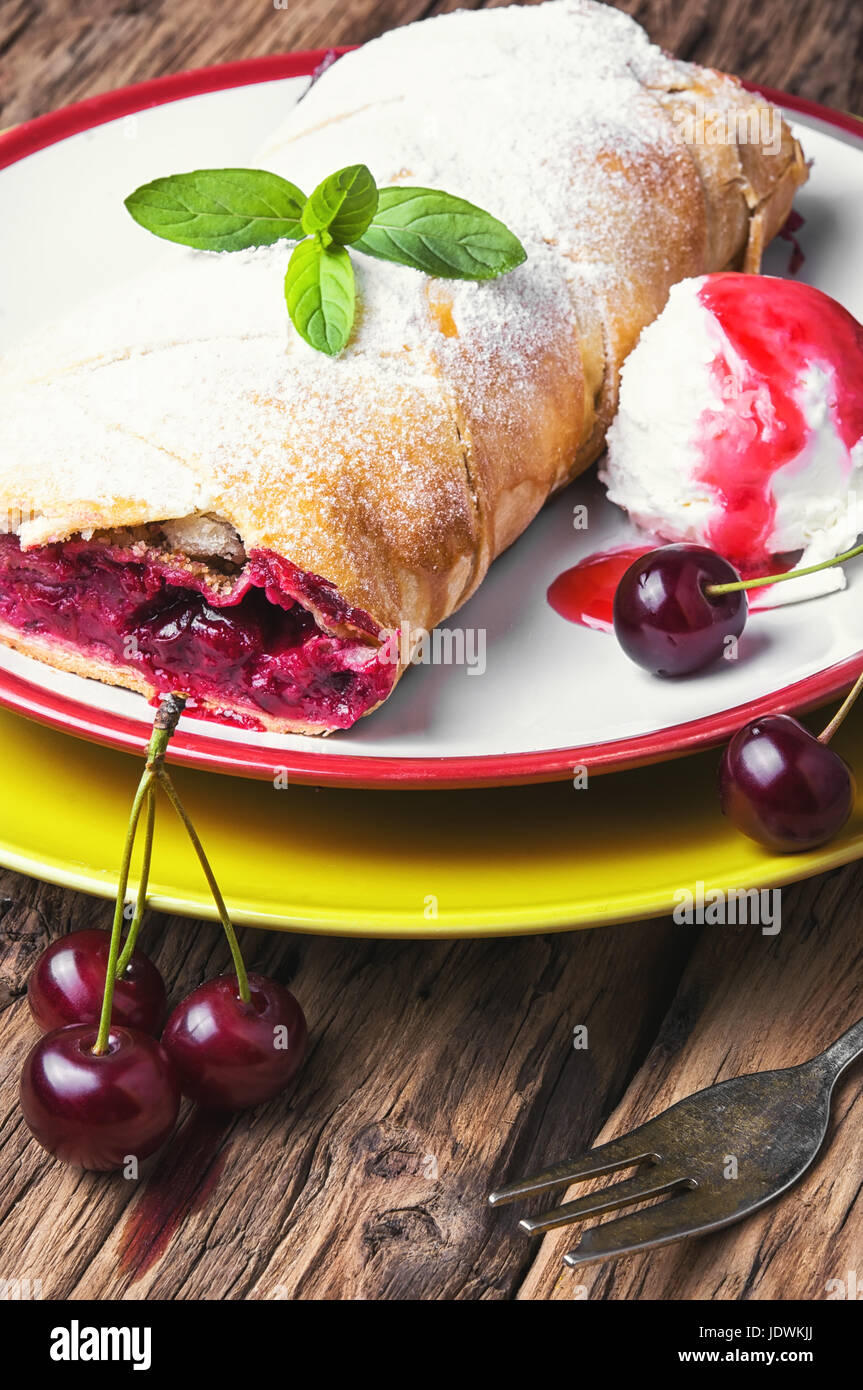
point(437, 1068)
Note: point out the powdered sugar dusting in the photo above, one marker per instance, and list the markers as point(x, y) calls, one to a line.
point(590, 163)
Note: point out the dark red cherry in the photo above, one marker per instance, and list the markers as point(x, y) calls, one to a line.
point(97, 1112)
point(68, 980)
point(230, 1055)
point(783, 788)
point(216, 635)
point(664, 620)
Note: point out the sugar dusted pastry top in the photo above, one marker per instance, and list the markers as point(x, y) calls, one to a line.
point(401, 468)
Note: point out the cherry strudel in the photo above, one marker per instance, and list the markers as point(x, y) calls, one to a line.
point(196, 500)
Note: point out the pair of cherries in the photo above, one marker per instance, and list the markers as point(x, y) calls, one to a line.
point(676, 610)
point(99, 1088)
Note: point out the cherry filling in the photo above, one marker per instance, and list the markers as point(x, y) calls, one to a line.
point(245, 641)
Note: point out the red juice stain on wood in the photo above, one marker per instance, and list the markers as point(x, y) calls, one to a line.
point(182, 1184)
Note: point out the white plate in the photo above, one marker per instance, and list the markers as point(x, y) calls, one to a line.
point(552, 693)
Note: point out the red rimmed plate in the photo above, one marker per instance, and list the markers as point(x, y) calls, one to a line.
point(540, 696)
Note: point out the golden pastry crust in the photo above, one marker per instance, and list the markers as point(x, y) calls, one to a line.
point(401, 469)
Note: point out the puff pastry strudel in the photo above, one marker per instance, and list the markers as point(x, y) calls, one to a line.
point(196, 500)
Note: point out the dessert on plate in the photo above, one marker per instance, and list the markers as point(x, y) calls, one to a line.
point(740, 423)
point(196, 500)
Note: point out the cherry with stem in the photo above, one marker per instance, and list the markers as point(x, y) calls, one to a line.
point(232, 1061)
point(677, 607)
point(784, 787)
point(221, 1038)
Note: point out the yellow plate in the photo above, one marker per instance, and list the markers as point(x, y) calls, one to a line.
point(384, 863)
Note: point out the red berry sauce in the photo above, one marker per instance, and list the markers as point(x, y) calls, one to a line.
point(778, 329)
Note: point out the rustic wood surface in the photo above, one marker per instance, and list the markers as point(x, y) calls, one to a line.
point(437, 1069)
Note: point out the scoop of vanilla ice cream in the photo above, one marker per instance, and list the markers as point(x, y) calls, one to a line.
point(732, 429)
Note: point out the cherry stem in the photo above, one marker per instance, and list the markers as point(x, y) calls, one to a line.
point(828, 732)
point(242, 978)
point(714, 590)
point(143, 881)
point(101, 1043)
point(155, 772)
point(164, 724)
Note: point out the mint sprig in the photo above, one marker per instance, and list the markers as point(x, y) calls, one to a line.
point(237, 209)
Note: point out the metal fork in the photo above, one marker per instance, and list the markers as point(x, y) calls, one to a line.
point(710, 1159)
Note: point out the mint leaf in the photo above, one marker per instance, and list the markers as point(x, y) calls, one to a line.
point(343, 205)
point(320, 294)
point(440, 235)
point(219, 209)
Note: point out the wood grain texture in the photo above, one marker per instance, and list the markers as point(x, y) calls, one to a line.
point(436, 1070)
point(724, 1021)
point(433, 1068)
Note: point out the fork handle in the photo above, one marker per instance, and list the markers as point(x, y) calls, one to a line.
point(844, 1051)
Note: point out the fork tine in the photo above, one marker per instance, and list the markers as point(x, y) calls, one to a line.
point(629, 1149)
point(639, 1230)
point(639, 1188)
